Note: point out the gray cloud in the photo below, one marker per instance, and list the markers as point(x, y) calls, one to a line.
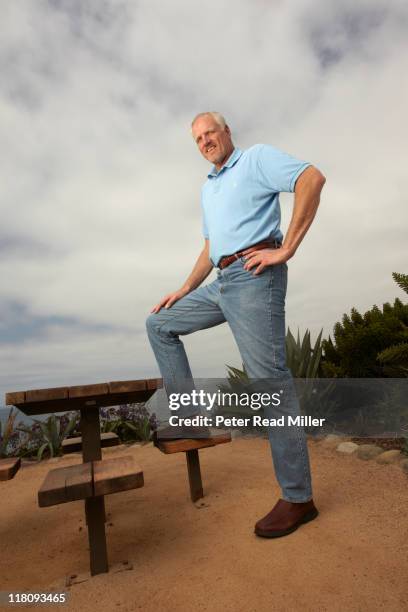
point(100, 178)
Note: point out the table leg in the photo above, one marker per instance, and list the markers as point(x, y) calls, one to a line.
point(91, 434)
point(91, 438)
point(95, 515)
point(94, 506)
point(194, 474)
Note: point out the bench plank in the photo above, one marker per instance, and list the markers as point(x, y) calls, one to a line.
point(66, 484)
point(186, 444)
point(9, 467)
point(78, 482)
point(88, 390)
point(126, 386)
point(154, 383)
point(118, 474)
point(15, 397)
point(76, 397)
point(41, 395)
point(73, 445)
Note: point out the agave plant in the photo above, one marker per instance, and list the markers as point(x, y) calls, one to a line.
point(49, 434)
point(303, 360)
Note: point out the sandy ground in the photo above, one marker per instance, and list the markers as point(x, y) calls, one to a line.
point(204, 556)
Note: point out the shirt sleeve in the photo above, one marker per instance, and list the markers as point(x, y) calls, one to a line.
point(278, 170)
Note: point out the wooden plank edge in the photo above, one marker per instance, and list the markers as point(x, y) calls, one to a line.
point(9, 467)
point(185, 444)
point(14, 397)
point(126, 386)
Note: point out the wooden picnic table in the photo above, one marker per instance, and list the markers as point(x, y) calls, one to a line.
point(96, 478)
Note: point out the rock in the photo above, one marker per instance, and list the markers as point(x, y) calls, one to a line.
point(236, 433)
point(332, 441)
point(368, 451)
point(389, 456)
point(404, 465)
point(347, 447)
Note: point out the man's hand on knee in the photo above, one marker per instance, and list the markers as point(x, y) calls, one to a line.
point(170, 299)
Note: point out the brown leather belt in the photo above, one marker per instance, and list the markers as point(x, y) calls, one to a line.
point(266, 244)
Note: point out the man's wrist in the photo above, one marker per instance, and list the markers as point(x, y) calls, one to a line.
point(288, 250)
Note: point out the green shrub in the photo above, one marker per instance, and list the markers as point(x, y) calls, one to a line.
point(371, 345)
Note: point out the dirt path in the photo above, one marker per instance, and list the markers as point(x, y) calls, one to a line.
point(187, 557)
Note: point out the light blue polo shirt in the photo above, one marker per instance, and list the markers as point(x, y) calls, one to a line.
point(240, 203)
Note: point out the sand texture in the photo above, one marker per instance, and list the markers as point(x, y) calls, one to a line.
point(205, 556)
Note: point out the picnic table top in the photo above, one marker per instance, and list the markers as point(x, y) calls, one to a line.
point(59, 399)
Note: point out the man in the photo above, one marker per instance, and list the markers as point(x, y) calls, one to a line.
point(241, 219)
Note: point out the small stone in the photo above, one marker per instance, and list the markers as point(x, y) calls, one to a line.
point(404, 465)
point(236, 433)
point(389, 456)
point(332, 440)
point(368, 451)
point(347, 447)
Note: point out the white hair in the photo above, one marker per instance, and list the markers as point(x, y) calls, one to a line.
point(218, 118)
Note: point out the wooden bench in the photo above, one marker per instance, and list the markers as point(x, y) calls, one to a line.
point(115, 475)
point(9, 467)
point(74, 445)
point(191, 448)
point(89, 399)
point(91, 479)
point(66, 484)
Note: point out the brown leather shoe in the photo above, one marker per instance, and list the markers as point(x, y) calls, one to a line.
point(284, 518)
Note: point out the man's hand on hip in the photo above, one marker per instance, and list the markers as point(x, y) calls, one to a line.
point(169, 299)
point(266, 257)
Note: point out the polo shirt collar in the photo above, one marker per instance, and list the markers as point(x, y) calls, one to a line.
point(233, 158)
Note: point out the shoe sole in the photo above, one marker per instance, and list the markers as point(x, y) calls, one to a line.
point(309, 516)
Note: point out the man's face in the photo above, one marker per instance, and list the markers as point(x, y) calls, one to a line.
point(213, 141)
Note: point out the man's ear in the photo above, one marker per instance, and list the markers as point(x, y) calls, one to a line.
point(227, 130)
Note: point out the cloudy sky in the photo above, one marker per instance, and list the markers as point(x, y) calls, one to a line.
point(100, 179)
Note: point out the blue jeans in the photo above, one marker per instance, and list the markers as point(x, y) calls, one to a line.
point(254, 308)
